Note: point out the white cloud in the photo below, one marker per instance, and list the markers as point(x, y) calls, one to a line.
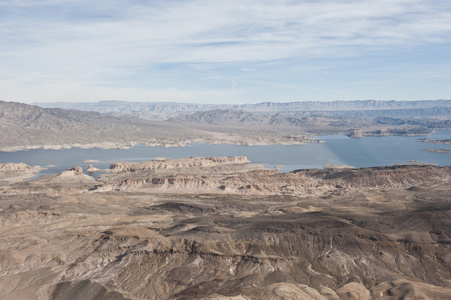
point(28, 90)
point(98, 42)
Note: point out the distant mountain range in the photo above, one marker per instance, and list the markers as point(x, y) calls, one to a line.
point(25, 126)
point(357, 108)
point(30, 125)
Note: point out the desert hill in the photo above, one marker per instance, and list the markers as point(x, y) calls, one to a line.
point(222, 117)
point(27, 126)
point(236, 118)
point(356, 108)
point(230, 120)
point(220, 228)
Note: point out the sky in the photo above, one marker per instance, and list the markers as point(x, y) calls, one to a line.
point(224, 51)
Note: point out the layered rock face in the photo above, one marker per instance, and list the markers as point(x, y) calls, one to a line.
point(266, 182)
point(14, 167)
point(378, 177)
point(373, 233)
point(15, 172)
point(193, 162)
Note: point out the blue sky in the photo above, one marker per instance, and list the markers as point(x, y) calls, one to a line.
point(208, 51)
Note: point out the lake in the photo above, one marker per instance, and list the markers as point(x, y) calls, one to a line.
point(337, 150)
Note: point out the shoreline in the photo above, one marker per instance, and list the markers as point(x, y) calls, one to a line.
point(129, 145)
point(148, 153)
point(33, 172)
point(439, 142)
point(228, 140)
point(105, 146)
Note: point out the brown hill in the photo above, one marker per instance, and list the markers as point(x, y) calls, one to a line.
point(222, 117)
point(27, 125)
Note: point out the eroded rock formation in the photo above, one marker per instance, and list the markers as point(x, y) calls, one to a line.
point(372, 233)
point(91, 169)
point(193, 162)
point(14, 167)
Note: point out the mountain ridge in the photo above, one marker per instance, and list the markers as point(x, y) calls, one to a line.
point(167, 110)
point(28, 127)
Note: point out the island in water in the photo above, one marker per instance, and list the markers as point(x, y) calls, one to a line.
point(438, 150)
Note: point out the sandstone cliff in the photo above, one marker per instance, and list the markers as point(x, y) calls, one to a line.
point(193, 162)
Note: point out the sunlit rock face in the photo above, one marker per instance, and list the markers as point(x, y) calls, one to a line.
point(221, 228)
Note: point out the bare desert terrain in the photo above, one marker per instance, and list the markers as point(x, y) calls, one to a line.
point(221, 228)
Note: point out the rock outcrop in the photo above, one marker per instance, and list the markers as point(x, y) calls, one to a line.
point(443, 142)
point(299, 182)
point(14, 167)
point(438, 150)
point(71, 180)
point(91, 169)
point(193, 162)
point(378, 177)
point(16, 172)
point(75, 170)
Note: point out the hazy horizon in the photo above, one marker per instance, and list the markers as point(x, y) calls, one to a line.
point(221, 103)
point(240, 103)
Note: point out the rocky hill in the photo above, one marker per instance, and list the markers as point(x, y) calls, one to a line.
point(211, 176)
point(230, 120)
point(358, 108)
point(215, 232)
point(222, 117)
point(163, 164)
point(30, 126)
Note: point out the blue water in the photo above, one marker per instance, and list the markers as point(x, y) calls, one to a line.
point(337, 150)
